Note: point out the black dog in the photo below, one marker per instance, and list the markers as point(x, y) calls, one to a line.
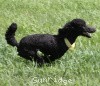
point(52, 46)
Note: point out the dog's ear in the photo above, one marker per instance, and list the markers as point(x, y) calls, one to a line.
point(61, 31)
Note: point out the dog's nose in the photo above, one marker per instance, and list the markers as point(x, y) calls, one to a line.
point(93, 30)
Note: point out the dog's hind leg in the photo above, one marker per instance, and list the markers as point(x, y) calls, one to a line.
point(30, 55)
point(36, 58)
point(25, 55)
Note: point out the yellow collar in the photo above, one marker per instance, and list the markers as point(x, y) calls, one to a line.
point(70, 46)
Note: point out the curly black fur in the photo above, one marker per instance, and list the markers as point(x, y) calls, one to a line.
point(52, 46)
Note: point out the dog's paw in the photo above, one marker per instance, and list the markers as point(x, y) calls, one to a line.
point(39, 53)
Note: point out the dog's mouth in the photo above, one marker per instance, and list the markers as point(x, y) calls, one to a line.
point(88, 32)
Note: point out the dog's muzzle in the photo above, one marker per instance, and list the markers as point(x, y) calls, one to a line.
point(88, 32)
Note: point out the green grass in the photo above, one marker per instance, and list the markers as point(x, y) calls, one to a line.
point(80, 67)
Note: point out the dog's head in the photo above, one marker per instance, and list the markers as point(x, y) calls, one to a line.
point(78, 27)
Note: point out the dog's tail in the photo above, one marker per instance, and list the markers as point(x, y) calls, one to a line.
point(10, 33)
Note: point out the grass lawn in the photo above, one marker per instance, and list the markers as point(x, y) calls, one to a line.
point(80, 67)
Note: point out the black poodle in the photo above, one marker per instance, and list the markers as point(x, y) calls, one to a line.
point(52, 46)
